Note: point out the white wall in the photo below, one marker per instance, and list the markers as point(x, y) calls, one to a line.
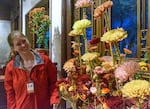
point(5, 27)
point(56, 13)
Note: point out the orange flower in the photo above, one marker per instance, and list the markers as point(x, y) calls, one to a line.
point(127, 51)
point(105, 90)
point(107, 4)
point(76, 52)
point(85, 88)
point(105, 106)
point(102, 8)
point(101, 59)
point(107, 76)
point(83, 97)
point(148, 65)
point(148, 47)
point(93, 48)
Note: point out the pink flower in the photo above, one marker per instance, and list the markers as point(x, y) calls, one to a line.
point(83, 3)
point(121, 74)
point(126, 70)
point(98, 70)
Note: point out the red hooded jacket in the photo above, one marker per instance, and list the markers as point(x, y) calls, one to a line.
point(44, 76)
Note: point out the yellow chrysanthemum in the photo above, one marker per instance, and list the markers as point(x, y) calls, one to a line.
point(81, 24)
point(142, 64)
point(144, 68)
point(89, 56)
point(136, 89)
point(114, 35)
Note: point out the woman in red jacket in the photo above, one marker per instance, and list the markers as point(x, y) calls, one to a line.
point(30, 78)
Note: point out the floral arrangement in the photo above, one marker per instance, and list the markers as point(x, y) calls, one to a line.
point(102, 82)
point(39, 23)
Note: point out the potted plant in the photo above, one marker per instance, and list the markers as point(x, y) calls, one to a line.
point(39, 24)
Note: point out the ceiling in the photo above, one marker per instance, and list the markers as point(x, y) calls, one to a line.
point(9, 4)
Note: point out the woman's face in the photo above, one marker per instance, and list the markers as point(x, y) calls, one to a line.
point(21, 44)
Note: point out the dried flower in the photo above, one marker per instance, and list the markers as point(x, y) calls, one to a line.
point(76, 52)
point(75, 45)
point(107, 66)
point(89, 56)
point(114, 35)
point(75, 33)
point(105, 90)
point(127, 51)
point(80, 25)
point(126, 70)
point(107, 58)
point(69, 66)
point(98, 70)
point(93, 48)
point(114, 102)
point(83, 3)
point(93, 80)
point(102, 8)
point(94, 40)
